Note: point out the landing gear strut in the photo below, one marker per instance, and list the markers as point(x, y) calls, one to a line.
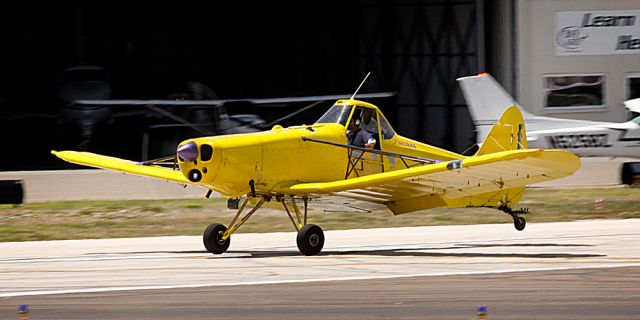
point(217, 237)
point(518, 222)
point(310, 237)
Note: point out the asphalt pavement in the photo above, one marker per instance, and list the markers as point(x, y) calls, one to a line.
point(561, 294)
point(566, 270)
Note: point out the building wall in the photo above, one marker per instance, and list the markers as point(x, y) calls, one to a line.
point(500, 36)
point(536, 59)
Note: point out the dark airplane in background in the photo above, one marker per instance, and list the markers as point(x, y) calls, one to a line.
point(87, 109)
point(85, 117)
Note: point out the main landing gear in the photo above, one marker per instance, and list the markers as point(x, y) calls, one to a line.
point(518, 222)
point(310, 238)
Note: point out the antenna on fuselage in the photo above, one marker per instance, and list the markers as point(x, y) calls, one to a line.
point(360, 86)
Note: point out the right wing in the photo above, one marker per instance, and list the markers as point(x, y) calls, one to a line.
point(478, 181)
point(117, 164)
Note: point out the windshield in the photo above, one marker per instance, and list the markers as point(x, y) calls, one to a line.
point(636, 120)
point(337, 114)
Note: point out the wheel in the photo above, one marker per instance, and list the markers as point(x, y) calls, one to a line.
point(519, 223)
point(212, 239)
point(310, 240)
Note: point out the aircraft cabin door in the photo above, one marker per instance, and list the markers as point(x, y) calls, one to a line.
point(364, 133)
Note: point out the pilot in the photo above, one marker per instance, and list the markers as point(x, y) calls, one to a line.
point(358, 136)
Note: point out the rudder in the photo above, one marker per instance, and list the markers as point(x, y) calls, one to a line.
point(507, 134)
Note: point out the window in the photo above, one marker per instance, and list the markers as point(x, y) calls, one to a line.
point(363, 128)
point(370, 120)
point(337, 114)
point(574, 91)
point(632, 87)
point(632, 91)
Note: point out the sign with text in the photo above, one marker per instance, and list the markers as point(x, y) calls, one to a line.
point(597, 32)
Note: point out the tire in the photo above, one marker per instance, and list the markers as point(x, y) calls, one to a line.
point(211, 239)
point(310, 240)
point(11, 192)
point(519, 223)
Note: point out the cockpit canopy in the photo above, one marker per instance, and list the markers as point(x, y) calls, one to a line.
point(367, 118)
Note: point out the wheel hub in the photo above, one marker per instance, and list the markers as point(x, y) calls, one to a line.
point(313, 240)
point(219, 238)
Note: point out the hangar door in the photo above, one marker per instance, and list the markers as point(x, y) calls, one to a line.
point(420, 48)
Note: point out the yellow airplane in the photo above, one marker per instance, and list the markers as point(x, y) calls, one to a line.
point(351, 151)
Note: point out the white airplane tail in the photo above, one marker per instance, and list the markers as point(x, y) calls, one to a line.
point(486, 100)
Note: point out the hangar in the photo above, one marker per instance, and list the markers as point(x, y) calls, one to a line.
point(417, 48)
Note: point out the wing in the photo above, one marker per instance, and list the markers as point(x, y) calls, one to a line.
point(487, 180)
point(216, 102)
point(117, 164)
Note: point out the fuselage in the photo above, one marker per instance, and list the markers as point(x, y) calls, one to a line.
point(604, 139)
point(278, 158)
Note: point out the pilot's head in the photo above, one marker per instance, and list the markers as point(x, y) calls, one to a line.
point(355, 122)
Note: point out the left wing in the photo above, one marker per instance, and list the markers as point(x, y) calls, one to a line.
point(117, 164)
point(487, 180)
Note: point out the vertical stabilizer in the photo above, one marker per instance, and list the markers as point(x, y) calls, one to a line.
point(508, 133)
point(486, 100)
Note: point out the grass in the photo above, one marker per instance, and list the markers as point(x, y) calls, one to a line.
point(145, 218)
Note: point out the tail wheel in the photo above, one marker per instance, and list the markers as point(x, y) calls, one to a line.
point(310, 240)
point(519, 223)
point(212, 238)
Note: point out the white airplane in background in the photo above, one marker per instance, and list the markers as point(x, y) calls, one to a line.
point(486, 100)
point(633, 105)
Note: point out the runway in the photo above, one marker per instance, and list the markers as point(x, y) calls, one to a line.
point(106, 271)
point(563, 294)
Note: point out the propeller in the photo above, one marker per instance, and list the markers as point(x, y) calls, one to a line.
point(188, 151)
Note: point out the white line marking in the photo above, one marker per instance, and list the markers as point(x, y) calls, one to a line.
point(248, 283)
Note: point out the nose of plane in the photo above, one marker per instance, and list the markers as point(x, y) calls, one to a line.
point(188, 152)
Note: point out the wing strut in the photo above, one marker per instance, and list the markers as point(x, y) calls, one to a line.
point(352, 164)
point(384, 153)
